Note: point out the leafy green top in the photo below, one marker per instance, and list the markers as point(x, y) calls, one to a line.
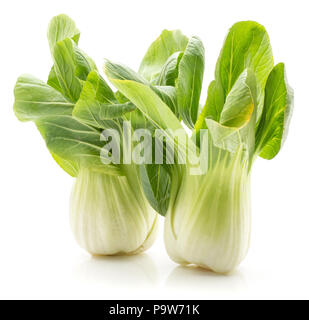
point(249, 103)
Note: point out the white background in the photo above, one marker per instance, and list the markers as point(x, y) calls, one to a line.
point(38, 255)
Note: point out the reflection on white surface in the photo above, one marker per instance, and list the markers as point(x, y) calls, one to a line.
point(122, 271)
point(195, 278)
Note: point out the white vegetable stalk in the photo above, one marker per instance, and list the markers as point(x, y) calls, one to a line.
point(110, 214)
point(210, 221)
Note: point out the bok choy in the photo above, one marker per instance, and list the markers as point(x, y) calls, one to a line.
point(194, 165)
point(246, 115)
point(109, 211)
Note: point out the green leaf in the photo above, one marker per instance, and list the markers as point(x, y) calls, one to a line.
point(98, 103)
point(65, 69)
point(167, 95)
point(34, 99)
point(83, 64)
point(239, 104)
point(71, 64)
point(71, 167)
point(247, 46)
point(156, 183)
point(216, 96)
point(120, 97)
point(139, 121)
point(155, 178)
point(158, 113)
point(74, 141)
point(276, 115)
point(169, 72)
point(119, 71)
point(71, 143)
point(227, 138)
point(103, 92)
point(160, 50)
point(237, 124)
point(122, 72)
point(149, 103)
point(61, 27)
point(189, 81)
point(53, 80)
